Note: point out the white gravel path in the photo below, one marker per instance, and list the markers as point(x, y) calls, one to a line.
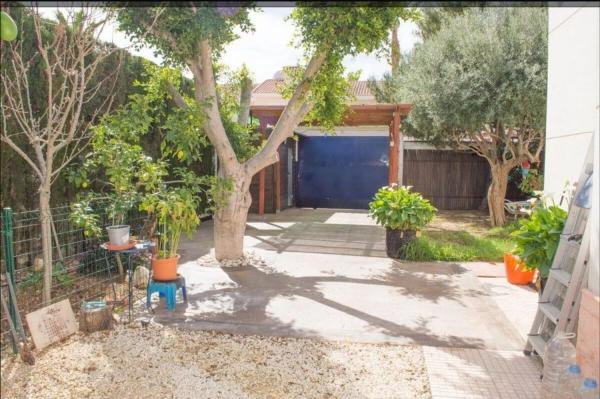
point(157, 362)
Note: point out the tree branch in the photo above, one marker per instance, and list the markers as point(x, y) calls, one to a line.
point(22, 154)
point(205, 90)
point(177, 97)
point(293, 113)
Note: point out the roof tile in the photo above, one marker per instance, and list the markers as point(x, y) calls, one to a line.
point(269, 86)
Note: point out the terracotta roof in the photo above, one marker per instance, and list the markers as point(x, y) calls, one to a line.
point(269, 86)
point(361, 88)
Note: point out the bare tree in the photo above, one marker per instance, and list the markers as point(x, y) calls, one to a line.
point(49, 136)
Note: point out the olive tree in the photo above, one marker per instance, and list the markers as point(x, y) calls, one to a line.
point(194, 37)
point(480, 84)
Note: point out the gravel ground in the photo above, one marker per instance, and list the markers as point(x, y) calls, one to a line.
point(163, 362)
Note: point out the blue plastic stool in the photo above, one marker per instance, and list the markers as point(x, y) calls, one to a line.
point(166, 289)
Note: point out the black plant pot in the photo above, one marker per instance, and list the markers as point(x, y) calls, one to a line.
point(397, 240)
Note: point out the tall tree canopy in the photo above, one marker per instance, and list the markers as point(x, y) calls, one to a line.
point(480, 84)
point(194, 37)
point(429, 20)
point(435, 17)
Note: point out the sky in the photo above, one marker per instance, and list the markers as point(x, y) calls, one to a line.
point(268, 49)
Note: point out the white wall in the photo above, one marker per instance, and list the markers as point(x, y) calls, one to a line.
point(572, 93)
point(594, 275)
point(573, 100)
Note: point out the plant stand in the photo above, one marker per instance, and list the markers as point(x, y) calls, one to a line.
point(166, 289)
point(139, 250)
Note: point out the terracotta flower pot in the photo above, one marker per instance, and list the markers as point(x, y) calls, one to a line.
point(164, 269)
point(515, 273)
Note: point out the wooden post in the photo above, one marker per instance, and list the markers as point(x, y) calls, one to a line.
point(277, 172)
point(393, 153)
point(400, 141)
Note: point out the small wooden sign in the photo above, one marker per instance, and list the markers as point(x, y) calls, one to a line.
point(51, 324)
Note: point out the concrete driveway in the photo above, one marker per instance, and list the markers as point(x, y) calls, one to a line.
point(327, 276)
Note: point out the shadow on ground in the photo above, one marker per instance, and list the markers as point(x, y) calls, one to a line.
point(328, 277)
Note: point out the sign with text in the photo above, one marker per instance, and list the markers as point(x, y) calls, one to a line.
point(51, 324)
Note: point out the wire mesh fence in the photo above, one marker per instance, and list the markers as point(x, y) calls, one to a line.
point(80, 269)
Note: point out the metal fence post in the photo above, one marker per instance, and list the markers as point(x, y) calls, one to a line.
point(9, 259)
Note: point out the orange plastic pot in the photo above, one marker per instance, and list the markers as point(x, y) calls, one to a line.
point(164, 269)
point(515, 273)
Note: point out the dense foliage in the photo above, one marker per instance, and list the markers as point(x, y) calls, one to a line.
point(175, 32)
point(397, 207)
point(538, 236)
point(485, 67)
point(435, 17)
point(17, 180)
point(128, 176)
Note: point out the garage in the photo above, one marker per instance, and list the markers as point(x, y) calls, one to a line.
point(340, 171)
point(367, 151)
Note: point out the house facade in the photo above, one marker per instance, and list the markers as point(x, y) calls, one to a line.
point(572, 130)
point(343, 170)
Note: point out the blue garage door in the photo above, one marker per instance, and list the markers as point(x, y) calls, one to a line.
point(341, 172)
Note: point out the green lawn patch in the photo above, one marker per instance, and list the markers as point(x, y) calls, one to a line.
point(456, 246)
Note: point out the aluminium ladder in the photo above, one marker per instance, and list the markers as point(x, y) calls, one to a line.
point(558, 306)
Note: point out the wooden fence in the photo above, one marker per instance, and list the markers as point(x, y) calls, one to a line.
point(449, 179)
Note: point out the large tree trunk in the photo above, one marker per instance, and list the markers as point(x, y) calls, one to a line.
point(46, 233)
point(230, 220)
point(497, 193)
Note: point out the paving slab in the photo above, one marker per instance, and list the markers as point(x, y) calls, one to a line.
point(326, 276)
point(458, 373)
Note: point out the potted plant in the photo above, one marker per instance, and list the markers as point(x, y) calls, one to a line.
point(121, 203)
point(537, 238)
point(122, 173)
point(517, 271)
point(402, 213)
point(175, 211)
point(84, 216)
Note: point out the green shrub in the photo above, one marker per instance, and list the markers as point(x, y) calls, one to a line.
point(538, 236)
point(175, 211)
point(398, 208)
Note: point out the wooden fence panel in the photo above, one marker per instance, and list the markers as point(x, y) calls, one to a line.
point(449, 179)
